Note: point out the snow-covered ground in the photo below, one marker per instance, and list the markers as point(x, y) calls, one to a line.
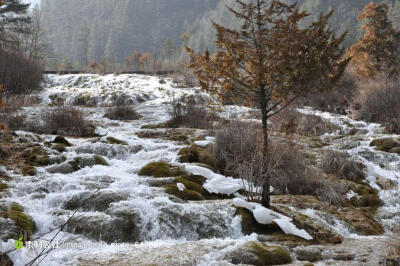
point(194, 233)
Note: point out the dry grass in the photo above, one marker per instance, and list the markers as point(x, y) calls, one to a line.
point(290, 121)
point(379, 102)
point(238, 151)
point(340, 165)
point(191, 116)
point(122, 113)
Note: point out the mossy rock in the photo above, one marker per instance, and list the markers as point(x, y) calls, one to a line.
point(100, 160)
point(112, 140)
point(189, 155)
point(60, 147)
point(284, 239)
point(185, 194)
point(26, 226)
point(368, 197)
point(167, 124)
point(254, 253)
point(196, 154)
point(16, 207)
point(3, 187)
point(36, 156)
point(79, 162)
point(28, 170)
point(386, 144)
point(395, 150)
point(250, 224)
point(161, 169)
point(62, 140)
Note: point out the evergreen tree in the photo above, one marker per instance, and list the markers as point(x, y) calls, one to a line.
point(13, 14)
point(169, 49)
point(378, 49)
point(270, 61)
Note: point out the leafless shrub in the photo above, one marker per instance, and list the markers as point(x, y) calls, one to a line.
point(393, 256)
point(15, 102)
point(291, 121)
point(67, 120)
point(237, 143)
point(191, 116)
point(379, 101)
point(19, 75)
point(239, 154)
point(336, 100)
point(122, 113)
point(13, 121)
point(339, 164)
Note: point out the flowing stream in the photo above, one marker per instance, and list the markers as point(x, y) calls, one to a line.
point(130, 222)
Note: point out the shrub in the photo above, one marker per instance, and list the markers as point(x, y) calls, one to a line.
point(19, 75)
point(122, 113)
point(237, 142)
point(63, 120)
point(338, 163)
point(337, 100)
point(191, 116)
point(291, 121)
point(379, 101)
point(238, 150)
point(13, 121)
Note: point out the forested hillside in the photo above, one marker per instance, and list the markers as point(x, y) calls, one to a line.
point(116, 28)
point(85, 30)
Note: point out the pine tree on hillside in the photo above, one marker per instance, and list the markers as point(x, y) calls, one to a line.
point(12, 15)
point(377, 51)
point(271, 61)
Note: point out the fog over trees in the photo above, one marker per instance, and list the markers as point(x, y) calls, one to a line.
point(86, 30)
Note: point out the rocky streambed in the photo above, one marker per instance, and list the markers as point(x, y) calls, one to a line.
point(116, 213)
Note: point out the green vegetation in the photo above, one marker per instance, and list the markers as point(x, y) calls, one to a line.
point(161, 169)
point(28, 170)
point(62, 140)
point(185, 194)
point(270, 255)
point(25, 224)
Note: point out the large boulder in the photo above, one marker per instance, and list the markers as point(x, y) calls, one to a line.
point(99, 202)
point(253, 253)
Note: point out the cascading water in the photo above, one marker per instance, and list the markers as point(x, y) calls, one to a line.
point(125, 207)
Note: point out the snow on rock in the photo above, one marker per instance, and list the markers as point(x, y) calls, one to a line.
point(180, 186)
point(206, 142)
point(267, 216)
point(216, 183)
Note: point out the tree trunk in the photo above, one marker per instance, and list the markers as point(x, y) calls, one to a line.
point(265, 199)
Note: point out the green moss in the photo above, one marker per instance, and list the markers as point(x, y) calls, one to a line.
point(268, 255)
point(36, 156)
point(188, 155)
point(16, 207)
point(24, 223)
point(161, 169)
point(167, 124)
point(395, 150)
point(250, 225)
point(385, 144)
point(113, 140)
point(75, 163)
point(3, 187)
point(196, 178)
point(186, 194)
point(368, 197)
point(196, 154)
point(100, 160)
point(62, 140)
point(28, 170)
point(60, 147)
